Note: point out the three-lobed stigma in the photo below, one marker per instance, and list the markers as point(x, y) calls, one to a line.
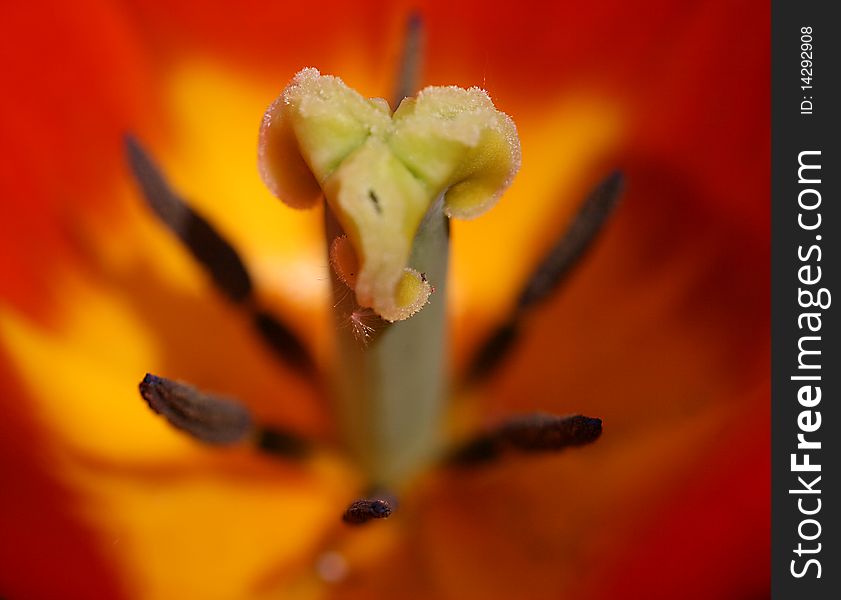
point(381, 171)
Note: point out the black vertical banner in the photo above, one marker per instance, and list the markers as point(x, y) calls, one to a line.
point(806, 268)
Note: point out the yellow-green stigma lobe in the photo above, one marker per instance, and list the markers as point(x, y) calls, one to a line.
point(380, 172)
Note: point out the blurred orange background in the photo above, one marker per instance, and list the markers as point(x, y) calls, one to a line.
point(663, 332)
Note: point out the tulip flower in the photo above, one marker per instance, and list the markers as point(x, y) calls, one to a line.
point(659, 327)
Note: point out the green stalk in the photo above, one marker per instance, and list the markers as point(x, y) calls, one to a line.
point(390, 391)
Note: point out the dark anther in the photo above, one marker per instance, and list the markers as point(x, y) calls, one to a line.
point(208, 418)
point(282, 443)
point(206, 245)
point(361, 511)
point(528, 434)
point(283, 341)
point(494, 349)
point(409, 70)
point(213, 252)
point(577, 239)
point(478, 450)
point(551, 272)
point(541, 432)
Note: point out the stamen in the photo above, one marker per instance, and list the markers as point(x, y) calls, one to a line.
point(367, 509)
point(214, 253)
point(206, 245)
point(208, 418)
point(216, 420)
point(551, 273)
point(285, 343)
point(542, 432)
point(282, 443)
point(527, 434)
point(409, 71)
point(492, 352)
point(579, 237)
